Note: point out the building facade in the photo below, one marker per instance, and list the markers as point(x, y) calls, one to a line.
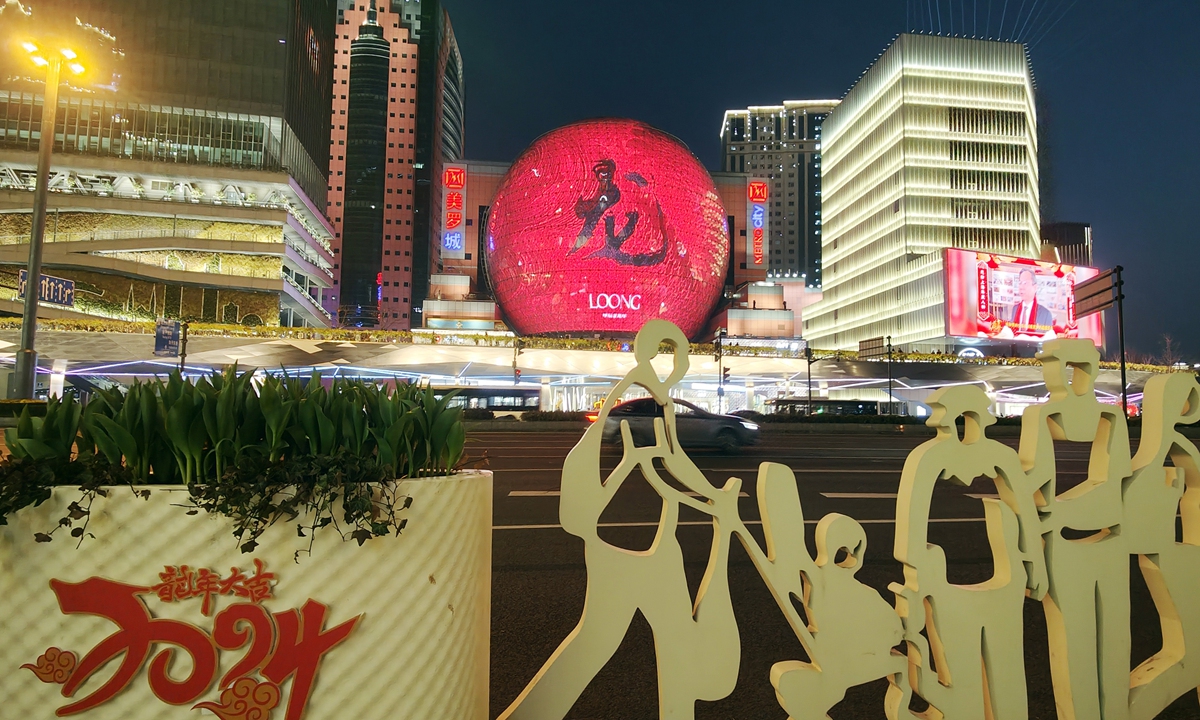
point(1067, 242)
point(361, 252)
point(934, 147)
point(782, 144)
point(417, 97)
point(194, 187)
point(440, 138)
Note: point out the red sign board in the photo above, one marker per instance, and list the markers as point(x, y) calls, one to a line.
point(757, 191)
point(454, 178)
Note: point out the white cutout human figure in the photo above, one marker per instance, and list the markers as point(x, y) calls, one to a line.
point(697, 646)
point(1087, 606)
point(1166, 481)
point(969, 663)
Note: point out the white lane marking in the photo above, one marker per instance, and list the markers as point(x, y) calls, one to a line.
point(556, 493)
point(879, 521)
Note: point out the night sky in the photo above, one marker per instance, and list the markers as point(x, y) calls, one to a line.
point(1119, 85)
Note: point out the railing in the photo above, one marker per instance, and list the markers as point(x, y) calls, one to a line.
point(292, 281)
point(313, 231)
point(95, 235)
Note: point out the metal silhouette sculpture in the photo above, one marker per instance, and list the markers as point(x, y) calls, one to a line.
point(969, 663)
point(697, 643)
point(963, 644)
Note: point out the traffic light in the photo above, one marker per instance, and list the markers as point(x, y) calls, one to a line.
point(717, 348)
point(516, 376)
point(808, 353)
point(724, 375)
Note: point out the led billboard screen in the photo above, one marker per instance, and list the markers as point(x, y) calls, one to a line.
point(602, 225)
point(1007, 298)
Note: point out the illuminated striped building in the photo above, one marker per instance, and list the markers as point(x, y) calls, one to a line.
point(934, 147)
point(782, 144)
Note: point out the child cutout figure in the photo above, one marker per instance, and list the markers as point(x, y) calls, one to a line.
point(850, 630)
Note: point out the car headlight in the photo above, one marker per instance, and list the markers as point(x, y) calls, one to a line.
point(749, 425)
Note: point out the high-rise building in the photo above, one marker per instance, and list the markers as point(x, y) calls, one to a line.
point(782, 144)
point(934, 147)
point(424, 113)
point(440, 136)
point(361, 251)
point(194, 186)
point(373, 246)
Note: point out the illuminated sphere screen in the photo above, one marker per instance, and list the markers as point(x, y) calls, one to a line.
point(602, 225)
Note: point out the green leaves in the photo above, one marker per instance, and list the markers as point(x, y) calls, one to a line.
point(255, 449)
point(46, 438)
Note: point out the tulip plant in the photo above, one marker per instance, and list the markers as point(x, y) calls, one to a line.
point(259, 450)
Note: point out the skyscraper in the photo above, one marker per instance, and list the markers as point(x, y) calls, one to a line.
point(934, 147)
point(782, 143)
point(195, 188)
point(422, 45)
point(366, 153)
point(440, 136)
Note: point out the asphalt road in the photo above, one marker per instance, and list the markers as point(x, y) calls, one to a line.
point(539, 576)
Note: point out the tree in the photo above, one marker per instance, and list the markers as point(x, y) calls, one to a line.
point(1170, 351)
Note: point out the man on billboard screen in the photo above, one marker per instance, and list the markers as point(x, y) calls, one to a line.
point(1008, 298)
point(1026, 316)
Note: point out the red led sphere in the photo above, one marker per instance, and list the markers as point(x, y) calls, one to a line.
point(602, 225)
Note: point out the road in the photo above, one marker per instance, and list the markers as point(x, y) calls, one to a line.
point(539, 577)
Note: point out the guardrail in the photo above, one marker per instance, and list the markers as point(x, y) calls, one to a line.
point(97, 235)
point(313, 231)
point(292, 281)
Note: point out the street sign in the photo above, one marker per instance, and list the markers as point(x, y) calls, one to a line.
point(55, 290)
point(166, 338)
point(1096, 294)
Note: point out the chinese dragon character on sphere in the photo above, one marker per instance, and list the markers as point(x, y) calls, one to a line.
point(961, 648)
point(278, 646)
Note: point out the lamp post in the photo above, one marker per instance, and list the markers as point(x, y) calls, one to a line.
point(890, 396)
point(50, 44)
point(26, 372)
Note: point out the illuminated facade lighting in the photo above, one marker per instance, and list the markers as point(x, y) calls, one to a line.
point(934, 147)
point(781, 144)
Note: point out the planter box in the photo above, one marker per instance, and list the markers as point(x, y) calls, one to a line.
point(418, 649)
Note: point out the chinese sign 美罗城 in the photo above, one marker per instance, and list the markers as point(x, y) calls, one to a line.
point(454, 211)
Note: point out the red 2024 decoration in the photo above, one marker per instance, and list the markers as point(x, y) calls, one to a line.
point(280, 645)
point(603, 210)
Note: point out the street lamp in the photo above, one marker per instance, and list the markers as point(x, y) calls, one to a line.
point(44, 49)
point(890, 396)
point(52, 61)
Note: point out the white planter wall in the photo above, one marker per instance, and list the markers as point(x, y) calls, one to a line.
point(420, 651)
